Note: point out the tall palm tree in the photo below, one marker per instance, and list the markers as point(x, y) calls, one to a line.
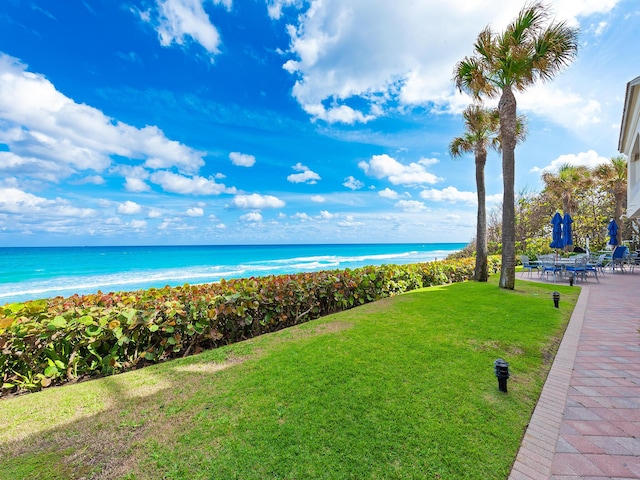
point(481, 133)
point(482, 126)
point(614, 177)
point(530, 49)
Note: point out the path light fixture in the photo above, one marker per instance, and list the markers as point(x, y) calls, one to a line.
point(556, 299)
point(502, 372)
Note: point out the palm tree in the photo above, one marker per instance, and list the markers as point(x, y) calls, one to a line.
point(481, 132)
point(564, 184)
point(614, 177)
point(482, 127)
point(528, 50)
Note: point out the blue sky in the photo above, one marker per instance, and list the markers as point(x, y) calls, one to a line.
point(275, 121)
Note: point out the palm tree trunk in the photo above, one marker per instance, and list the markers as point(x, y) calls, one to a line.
point(507, 109)
point(481, 273)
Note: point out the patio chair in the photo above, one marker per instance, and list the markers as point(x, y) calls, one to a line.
point(548, 265)
point(578, 268)
point(528, 265)
point(619, 258)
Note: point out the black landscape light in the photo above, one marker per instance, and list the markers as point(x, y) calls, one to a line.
point(556, 299)
point(571, 280)
point(502, 372)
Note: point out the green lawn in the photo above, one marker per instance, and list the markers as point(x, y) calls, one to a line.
point(398, 389)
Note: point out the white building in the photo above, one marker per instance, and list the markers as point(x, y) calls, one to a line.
point(629, 144)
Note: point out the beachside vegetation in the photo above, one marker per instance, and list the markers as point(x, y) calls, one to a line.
point(54, 341)
point(402, 388)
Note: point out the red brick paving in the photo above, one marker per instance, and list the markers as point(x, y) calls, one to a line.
point(586, 424)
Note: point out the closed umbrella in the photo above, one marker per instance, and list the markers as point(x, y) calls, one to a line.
point(567, 237)
point(556, 237)
point(613, 232)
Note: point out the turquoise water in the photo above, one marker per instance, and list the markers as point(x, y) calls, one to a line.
point(31, 273)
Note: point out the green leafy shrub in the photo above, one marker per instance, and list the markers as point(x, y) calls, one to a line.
point(49, 342)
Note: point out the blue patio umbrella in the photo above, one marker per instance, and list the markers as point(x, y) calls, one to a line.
point(613, 232)
point(556, 238)
point(567, 237)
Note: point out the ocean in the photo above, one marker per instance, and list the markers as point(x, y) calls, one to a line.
point(28, 273)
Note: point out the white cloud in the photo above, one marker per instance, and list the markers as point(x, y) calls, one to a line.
point(172, 182)
point(251, 217)
point(384, 166)
point(305, 175)
point(43, 127)
point(195, 212)
point(274, 7)
point(181, 21)
point(449, 194)
point(138, 224)
point(318, 199)
point(388, 193)
point(24, 212)
point(136, 185)
point(256, 201)
point(353, 183)
point(563, 106)
point(325, 215)
point(384, 53)
point(589, 159)
point(154, 213)
point(129, 208)
point(301, 216)
point(91, 179)
point(411, 206)
point(242, 159)
point(349, 222)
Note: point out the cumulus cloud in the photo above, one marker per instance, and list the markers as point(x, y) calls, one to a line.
point(325, 215)
point(388, 193)
point(274, 7)
point(136, 185)
point(318, 199)
point(305, 175)
point(255, 201)
point(172, 182)
point(195, 212)
point(242, 159)
point(449, 194)
point(251, 217)
point(565, 107)
point(384, 166)
point(353, 183)
point(410, 206)
point(354, 61)
point(129, 208)
point(349, 222)
point(301, 216)
point(588, 159)
point(185, 21)
point(47, 131)
point(16, 201)
point(138, 224)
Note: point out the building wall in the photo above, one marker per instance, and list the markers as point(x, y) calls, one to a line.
point(629, 145)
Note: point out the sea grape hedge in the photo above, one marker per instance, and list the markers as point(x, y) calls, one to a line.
point(49, 342)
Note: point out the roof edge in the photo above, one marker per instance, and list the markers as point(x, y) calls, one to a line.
point(627, 98)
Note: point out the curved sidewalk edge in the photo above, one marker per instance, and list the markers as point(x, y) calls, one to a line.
point(538, 446)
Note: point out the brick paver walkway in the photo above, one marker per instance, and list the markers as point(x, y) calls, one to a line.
point(586, 424)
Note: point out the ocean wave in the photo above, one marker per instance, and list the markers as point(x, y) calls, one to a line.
point(147, 278)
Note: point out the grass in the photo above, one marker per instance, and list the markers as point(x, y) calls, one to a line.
point(398, 389)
